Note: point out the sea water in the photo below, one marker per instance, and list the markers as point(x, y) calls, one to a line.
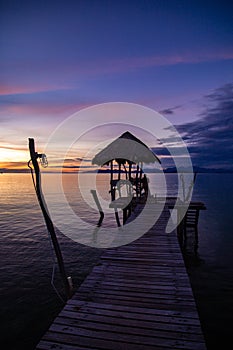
point(28, 301)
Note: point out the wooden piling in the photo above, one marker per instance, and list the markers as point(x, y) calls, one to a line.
point(34, 156)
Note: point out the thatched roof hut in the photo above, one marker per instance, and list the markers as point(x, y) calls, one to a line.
point(126, 148)
point(127, 151)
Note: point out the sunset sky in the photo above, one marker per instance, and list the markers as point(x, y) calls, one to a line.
point(175, 57)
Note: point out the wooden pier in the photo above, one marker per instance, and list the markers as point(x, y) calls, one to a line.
point(138, 297)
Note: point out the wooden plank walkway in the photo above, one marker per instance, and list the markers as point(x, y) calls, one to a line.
point(138, 297)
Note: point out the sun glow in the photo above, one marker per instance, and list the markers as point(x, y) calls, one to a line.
point(13, 155)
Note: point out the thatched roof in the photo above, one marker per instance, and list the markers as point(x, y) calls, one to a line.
point(126, 148)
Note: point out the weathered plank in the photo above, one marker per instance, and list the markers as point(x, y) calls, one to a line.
point(137, 297)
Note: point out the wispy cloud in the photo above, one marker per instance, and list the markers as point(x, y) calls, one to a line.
point(169, 111)
point(43, 108)
point(13, 166)
point(135, 63)
point(77, 70)
point(28, 105)
point(168, 60)
point(12, 89)
point(210, 139)
point(11, 147)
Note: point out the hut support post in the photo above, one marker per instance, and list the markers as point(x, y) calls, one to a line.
point(130, 170)
point(34, 156)
point(141, 180)
point(119, 171)
point(137, 191)
point(117, 218)
point(130, 178)
point(112, 187)
point(97, 202)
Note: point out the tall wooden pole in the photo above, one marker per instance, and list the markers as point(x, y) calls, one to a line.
point(34, 156)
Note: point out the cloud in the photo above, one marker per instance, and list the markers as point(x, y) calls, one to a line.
point(210, 139)
point(42, 109)
point(169, 111)
point(160, 151)
point(54, 71)
point(13, 166)
point(14, 148)
point(170, 60)
point(41, 103)
point(83, 160)
point(76, 163)
point(12, 89)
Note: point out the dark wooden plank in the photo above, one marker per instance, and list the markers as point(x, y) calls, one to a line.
point(105, 325)
point(132, 293)
point(127, 301)
point(158, 318)
point(124, 309)
point(160, 323)
point(138, 297)
point(48, 345)
point(76, 333)
point(65, 340)
point(126, 285)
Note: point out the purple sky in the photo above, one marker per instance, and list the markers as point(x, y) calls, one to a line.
point(173, 56)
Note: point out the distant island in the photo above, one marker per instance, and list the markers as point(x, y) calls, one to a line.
point(172, 170)
point(169, 170)
point(197, 169)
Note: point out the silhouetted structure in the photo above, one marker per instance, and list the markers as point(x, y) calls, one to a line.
point(125, 157)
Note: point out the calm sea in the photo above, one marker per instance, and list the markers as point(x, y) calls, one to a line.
point(28, 301)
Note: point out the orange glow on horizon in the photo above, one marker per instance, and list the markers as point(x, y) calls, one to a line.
point(12, 155)
point(5, 166)
point(13, 158)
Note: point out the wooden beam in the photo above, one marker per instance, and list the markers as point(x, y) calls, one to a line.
point(34, 156)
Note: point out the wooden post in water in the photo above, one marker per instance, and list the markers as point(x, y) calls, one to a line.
point(97, 202)
point(34, 156)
